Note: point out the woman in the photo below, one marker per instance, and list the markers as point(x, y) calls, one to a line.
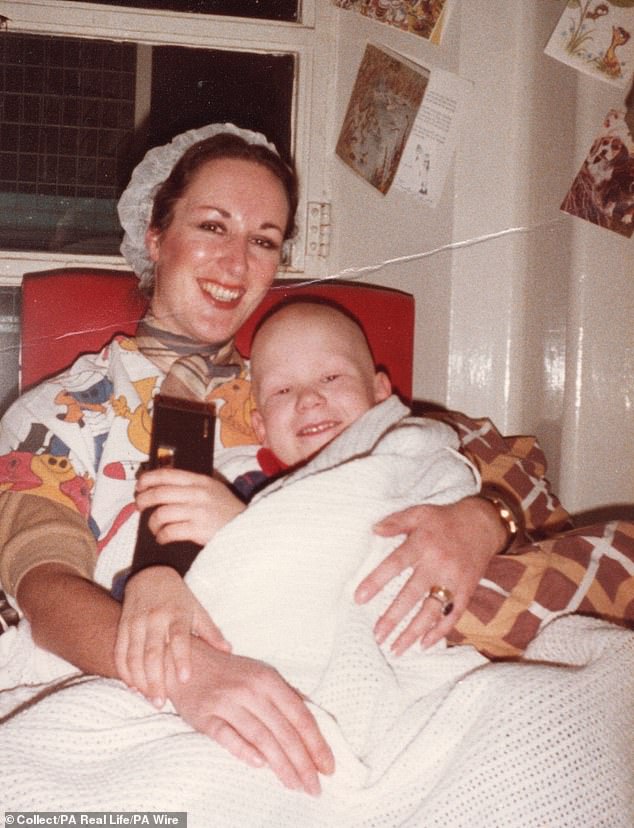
point(208, 242)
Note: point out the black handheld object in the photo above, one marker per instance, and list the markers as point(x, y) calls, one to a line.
point(182, 438)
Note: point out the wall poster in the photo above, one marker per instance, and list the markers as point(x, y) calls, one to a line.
point(425, 18)
point(383, 106)
point(603, 190)
point(596, 38)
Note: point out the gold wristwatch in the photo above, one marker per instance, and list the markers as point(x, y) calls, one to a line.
point(512, 518)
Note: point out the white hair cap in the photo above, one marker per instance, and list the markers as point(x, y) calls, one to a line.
point(136, 203)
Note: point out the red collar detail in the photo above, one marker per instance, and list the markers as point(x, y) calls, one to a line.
point(269, 463)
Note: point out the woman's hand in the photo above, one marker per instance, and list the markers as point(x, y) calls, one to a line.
point(447, 546)
point(159, 617)
point(187, 506)
point(248, 708)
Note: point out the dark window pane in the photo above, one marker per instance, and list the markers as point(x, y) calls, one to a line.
point(67, 150)
point(194, 87)
point(54, 192)
point(257, 9)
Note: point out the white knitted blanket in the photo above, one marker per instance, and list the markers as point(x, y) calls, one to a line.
point(484, 746)
point(442, 738)
point(279, 581)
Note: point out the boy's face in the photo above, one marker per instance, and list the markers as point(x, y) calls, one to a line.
point(312, 377)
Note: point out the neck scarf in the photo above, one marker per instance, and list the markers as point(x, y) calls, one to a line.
point(192, 369)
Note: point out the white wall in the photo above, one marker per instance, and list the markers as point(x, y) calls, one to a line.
point(598, 415)
point(534, 326)
point(370, 229)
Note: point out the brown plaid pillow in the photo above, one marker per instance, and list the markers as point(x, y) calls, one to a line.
point(588, 571)
point(514, 465)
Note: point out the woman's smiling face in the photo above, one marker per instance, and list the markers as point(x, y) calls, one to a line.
point(218, 256)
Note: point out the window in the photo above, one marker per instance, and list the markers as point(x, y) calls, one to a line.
point(70, 138)
point(67, 110)
point(88, 86)
point(246, 88)
point(260, 9)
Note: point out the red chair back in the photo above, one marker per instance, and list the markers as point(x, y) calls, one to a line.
point(72, 311)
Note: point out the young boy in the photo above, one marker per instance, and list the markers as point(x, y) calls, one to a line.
point(324, 415)
point(313, 378)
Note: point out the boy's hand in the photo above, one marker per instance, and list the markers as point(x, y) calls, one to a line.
point(187, 506)
point(159, 616)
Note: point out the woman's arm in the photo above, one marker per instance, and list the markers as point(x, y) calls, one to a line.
point(245, 706)
point(450, 546)
point(71, 616)
point(250, 710)
point(160, 613)
point(36, 530)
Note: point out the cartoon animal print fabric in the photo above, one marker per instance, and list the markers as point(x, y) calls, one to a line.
point(78, 440)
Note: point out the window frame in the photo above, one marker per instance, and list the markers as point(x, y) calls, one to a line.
point(305, 40)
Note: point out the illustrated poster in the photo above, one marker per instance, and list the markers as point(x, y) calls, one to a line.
point(596, 38)
point(603, 190)
point(425, 18)
point(383, 106)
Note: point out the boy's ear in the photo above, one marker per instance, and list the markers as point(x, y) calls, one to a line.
point(382, 386)
point(258, 426)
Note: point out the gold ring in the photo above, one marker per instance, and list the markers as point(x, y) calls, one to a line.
point(445, 596)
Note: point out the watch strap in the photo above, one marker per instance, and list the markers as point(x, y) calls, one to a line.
point(509, 514)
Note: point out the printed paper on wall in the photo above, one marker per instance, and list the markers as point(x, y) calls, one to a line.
point(597, 38)
point(603, 190)
point(432, 141)
point(382, 109)
point(425, 18)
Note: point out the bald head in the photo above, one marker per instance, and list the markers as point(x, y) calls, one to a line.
point(313, 375)
point(296, 324)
